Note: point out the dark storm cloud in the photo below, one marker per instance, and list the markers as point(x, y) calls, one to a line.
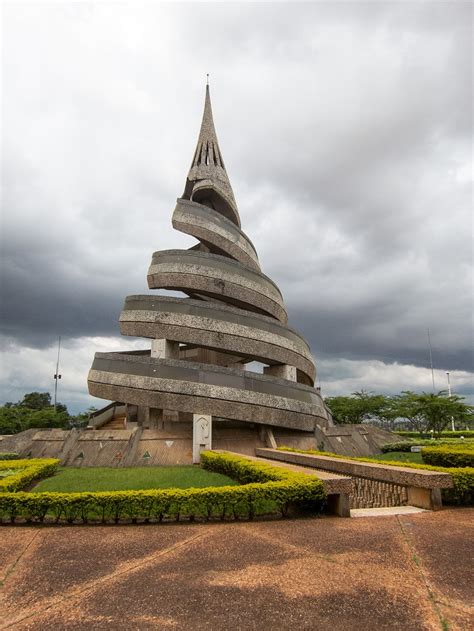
point(346, 129)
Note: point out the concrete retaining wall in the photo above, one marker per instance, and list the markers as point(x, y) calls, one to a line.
point(375, 484)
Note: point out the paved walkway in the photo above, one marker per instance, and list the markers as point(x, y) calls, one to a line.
point(407, 572)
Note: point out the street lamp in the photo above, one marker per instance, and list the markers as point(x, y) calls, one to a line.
point(449, 394)
point(57, 376)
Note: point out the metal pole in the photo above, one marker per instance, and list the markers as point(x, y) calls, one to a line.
point(57, 375)
point(449, 394)
point(431, 360)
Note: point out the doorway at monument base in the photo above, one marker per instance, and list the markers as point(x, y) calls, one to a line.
point(173, 444)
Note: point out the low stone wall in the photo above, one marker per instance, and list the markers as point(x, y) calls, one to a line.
point(375, 494)
point(375, 485)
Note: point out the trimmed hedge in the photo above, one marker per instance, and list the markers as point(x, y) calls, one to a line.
point(467, 433)
point(265, 489)
point(449, 455)
point(28, 470)
point(463, 478)
point(407, 445)
point(5, 455)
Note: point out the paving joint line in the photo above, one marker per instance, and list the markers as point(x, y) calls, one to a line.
point(12, 567)
point(295, 548)
point(417, 562)
point(73, 595)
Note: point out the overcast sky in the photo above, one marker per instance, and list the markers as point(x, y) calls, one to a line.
point(346, 129)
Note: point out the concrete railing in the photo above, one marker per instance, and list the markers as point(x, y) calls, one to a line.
point(422, 488)
point(102, 416)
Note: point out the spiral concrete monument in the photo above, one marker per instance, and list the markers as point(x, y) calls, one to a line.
point(232, 314)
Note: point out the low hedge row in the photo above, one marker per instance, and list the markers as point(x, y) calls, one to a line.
point(449, 455)
point(28, 470)
point(265, 489)
point(5, 455)
point(407, 445)
point(462, 492)
point(467, 433)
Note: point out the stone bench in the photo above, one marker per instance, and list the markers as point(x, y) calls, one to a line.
point(423, 487)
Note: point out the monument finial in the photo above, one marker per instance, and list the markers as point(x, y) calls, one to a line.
point(208, 172)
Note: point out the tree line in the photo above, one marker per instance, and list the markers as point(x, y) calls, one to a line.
point(423, 412)
point(35, 411)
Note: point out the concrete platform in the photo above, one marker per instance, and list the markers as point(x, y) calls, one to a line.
point(386, 511)
point(410, 572)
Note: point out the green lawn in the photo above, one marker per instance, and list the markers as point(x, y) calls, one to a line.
point(71, 479)
point(402, 456)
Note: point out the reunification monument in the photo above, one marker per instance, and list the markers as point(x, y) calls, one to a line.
point(231, 314)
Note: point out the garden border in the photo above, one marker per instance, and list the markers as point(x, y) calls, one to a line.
point(262, 484)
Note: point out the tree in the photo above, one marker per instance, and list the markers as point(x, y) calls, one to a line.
point(359, 407)
point(36, 400)
point(82, 419)
point(431, 412)
point(33, 411)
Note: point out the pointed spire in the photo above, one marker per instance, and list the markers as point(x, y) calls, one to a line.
point(207, 172)
point(207, 150)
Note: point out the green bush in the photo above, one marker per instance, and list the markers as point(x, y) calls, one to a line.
point(463, 478)
point(265, 488)
point(467, 433)
point(8, 456)
point(407, 445)
point(28, 470)
point(449, 455)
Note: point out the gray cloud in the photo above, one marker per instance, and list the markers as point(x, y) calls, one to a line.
point(347, 133)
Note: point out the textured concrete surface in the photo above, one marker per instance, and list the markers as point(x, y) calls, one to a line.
point(170, 445)
point(409, 572)
point(386, 511)
point(375, 471)
point(218, 327)
point(204, 389)
point(215, 230)
point(220, 271)
point(353, 440)
point(333, 483)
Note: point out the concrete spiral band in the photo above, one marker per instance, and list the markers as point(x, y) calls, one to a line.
point(233, 314)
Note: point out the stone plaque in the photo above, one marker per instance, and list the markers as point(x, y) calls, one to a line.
point(202, 435)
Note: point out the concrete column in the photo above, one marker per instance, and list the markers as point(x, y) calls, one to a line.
point(282, 371)
point(266, 436)
point(339, 504)
point(164, 349)
point(202, 435)
point(430, 499)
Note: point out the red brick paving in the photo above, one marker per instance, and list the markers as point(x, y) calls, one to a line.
point(408, 572)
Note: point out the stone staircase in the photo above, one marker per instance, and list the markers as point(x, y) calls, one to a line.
point(118, 422)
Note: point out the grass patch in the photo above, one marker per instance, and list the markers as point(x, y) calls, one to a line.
point(401, 456)
point(78, 480)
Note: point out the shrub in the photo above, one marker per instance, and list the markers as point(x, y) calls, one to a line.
point(463, 478)
point(28, 470)
point(407, 445)
point(449, 455)
point(265, 488)
point(467, 433)
point(8, 456)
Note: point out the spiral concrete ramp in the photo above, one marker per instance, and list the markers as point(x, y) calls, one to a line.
point(232, 314)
